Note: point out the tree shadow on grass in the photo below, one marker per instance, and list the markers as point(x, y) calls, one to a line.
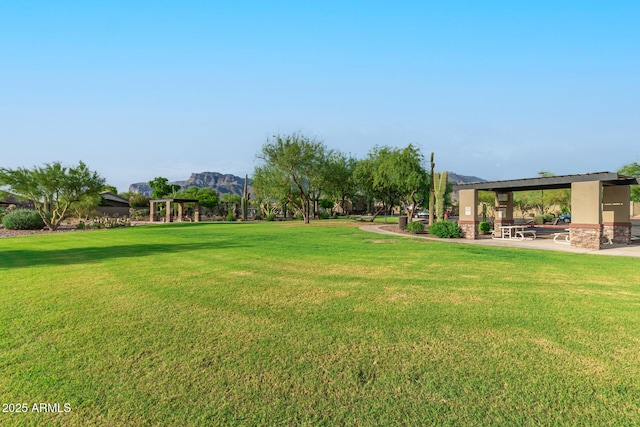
point(24, 258)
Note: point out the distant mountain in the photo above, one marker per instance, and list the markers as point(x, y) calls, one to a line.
point(461, 179)
point(223, 184)
point(464, 179)
point(227, 183)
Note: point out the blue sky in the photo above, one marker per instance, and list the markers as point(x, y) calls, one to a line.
point(497, 89)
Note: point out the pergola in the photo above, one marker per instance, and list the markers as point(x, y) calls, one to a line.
point(153, 207)
point(600, 205)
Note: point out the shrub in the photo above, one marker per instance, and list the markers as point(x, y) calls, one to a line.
point(271, 217)
point(107, 222)
point(324, 215)
point(139, 214)
point(445, 229)
point(538, 220)
point(23, 219)
point(231, 217)
point(415, 227)
point(299, 217)
point(484, 227)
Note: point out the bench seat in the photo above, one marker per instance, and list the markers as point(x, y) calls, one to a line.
point(524, 233)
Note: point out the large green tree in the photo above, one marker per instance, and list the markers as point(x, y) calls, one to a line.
point(339, 182)
point(394, 175)
point(632, 169)
point(206, 196)
point(52, 188)
point(292, 169)
point(160, 187)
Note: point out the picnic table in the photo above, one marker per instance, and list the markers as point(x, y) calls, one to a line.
point(513, 232)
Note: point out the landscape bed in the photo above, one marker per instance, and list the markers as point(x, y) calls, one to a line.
point(323, 324)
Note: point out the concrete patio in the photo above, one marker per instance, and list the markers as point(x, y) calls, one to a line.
point(547, 244)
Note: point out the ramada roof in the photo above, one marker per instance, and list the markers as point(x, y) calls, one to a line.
point(548, 182)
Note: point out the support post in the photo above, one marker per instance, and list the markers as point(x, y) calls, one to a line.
point(468, 215)
point(168, 213)
point(152, 211)
point(586, 215)
point(196, 214)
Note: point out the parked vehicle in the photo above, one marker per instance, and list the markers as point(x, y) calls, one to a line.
point(421, 214)
point(565, 217)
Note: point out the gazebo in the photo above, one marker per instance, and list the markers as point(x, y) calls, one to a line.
point(169, 217)
point(600, 205)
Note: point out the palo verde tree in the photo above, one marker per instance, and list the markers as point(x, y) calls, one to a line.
point(52, 188)
point(291, 169)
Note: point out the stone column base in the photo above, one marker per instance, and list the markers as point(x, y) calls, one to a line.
point(587, 236)
point(469, 229)
point(617, 232)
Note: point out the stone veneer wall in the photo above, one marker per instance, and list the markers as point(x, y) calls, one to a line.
point(469, 229)
point(617, 233)
point(586, 237)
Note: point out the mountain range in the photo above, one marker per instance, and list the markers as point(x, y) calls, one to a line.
point(228, 183)
point(222, 183)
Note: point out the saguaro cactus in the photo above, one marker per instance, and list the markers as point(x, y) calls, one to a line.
point(245, 200)
point(431, 191)
point(440, 187)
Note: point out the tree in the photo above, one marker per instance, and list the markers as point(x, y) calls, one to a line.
point(338, 170)
point(291, 170)
point(138, 200)
point(160, 188)
point(110, 188)
point(632, 169)
point(52, 188)
point(206, 196)
point(394, 175)
point(487, 199)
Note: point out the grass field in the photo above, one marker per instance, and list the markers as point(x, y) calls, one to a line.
point(286, 324)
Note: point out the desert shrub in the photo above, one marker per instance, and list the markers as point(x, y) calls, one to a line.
point(23, 219)
point(445, 229)
point(484, 227)
point(299, 217)
point(231, 217)
point(139, 214)
point(271, 217)
point(324, 215)
point(107, 222)
point(538, 220)
point(415, 227)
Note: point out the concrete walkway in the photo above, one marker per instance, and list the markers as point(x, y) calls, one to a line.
point(632, 250)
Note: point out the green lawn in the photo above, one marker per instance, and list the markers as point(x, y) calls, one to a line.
point(286, 324)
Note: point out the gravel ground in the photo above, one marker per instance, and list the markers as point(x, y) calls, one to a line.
point(16, 233)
